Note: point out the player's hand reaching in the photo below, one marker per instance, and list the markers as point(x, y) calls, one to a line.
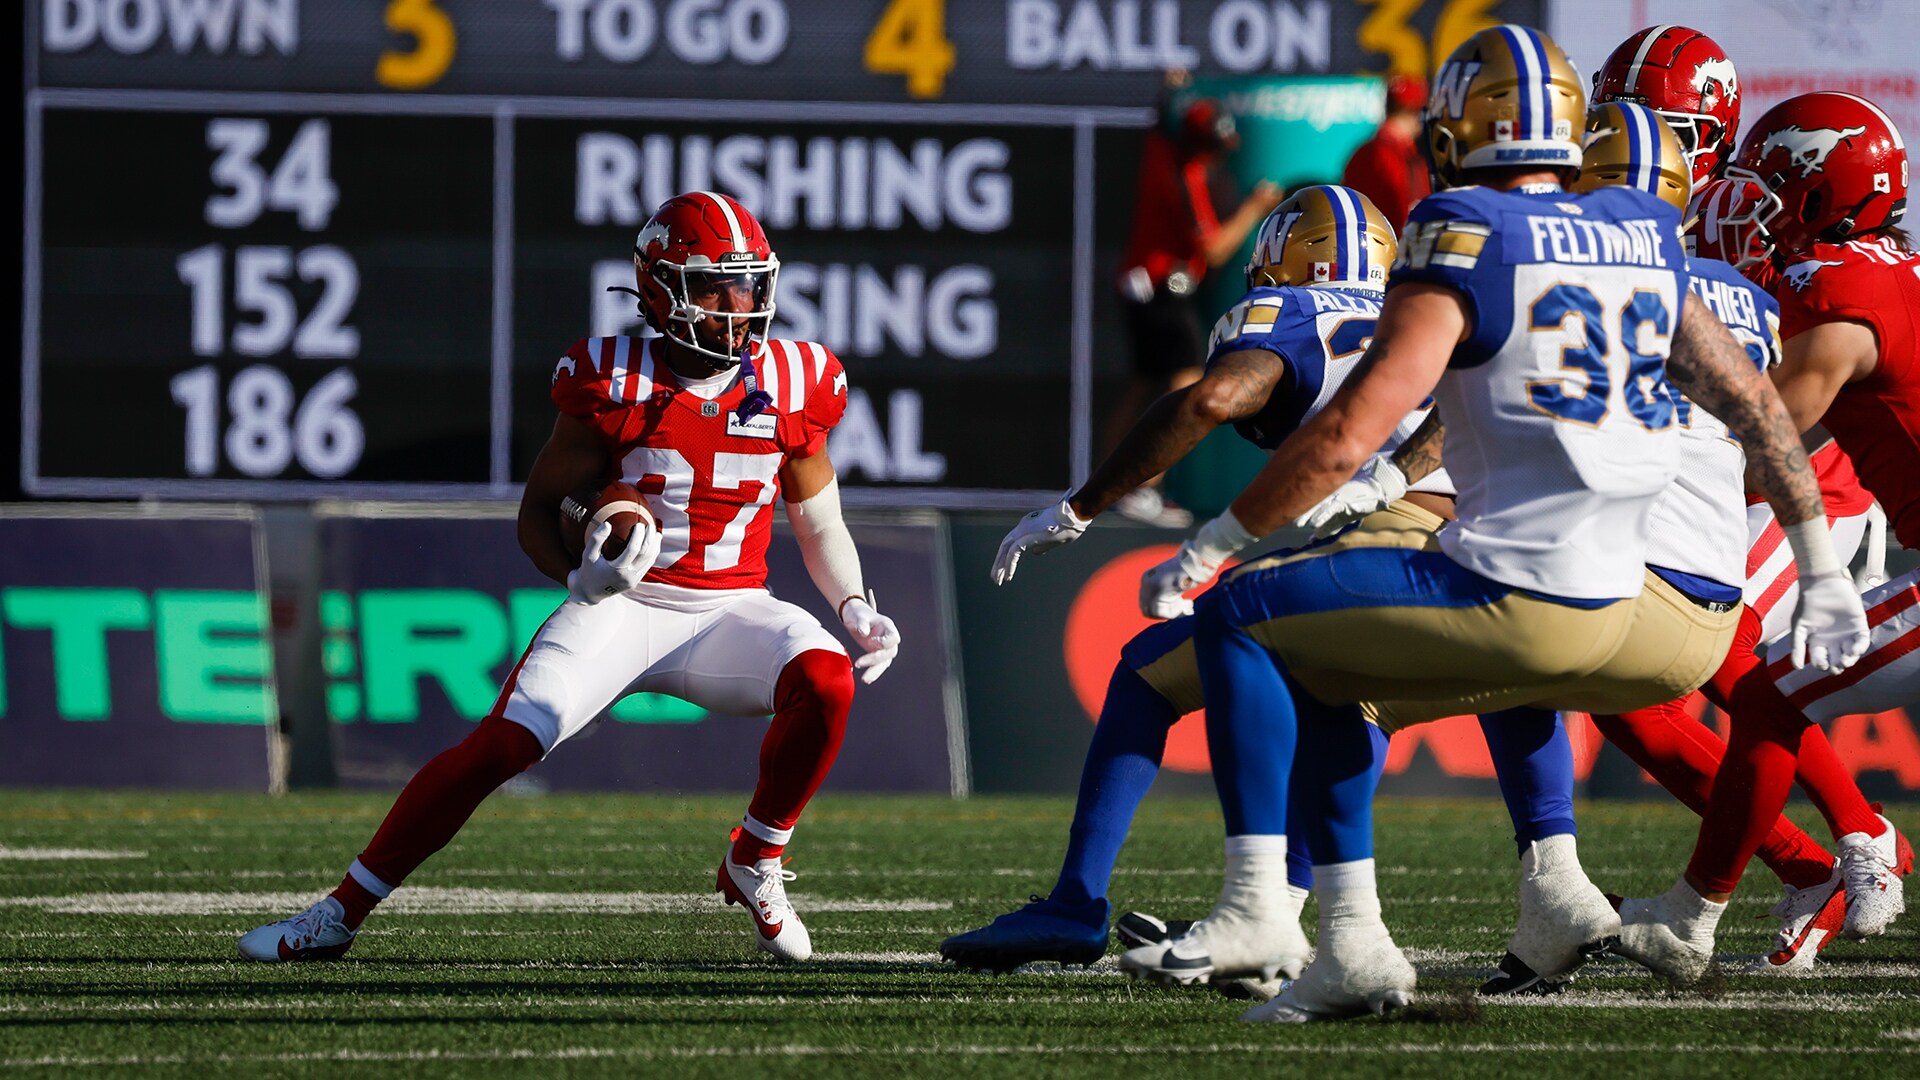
point(1830, 624)
point(1163, 586)
point(1377, 485)
point(600, 577)
point(873, 632)
point(1042, 530)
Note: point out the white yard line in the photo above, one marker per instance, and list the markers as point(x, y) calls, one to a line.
point(51, 854)
point(428, 900)
point(922, 1050)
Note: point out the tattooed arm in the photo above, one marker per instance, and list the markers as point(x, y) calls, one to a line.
point(1235, 387)
point(1716, 373)
point(1420, 454)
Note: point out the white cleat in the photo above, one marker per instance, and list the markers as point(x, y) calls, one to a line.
point(1223, 946)
point(1565, 921)
point(1650, 936)
point(762, 890)
point(318, 933)
point(1810, 920)
point(1871, 868)
point(1345, 980)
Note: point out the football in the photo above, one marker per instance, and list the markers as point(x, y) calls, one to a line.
point(619, 504)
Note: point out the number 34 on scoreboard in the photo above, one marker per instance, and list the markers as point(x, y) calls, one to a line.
point(911, 39)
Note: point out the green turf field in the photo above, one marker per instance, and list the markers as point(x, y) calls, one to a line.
point(575, 936)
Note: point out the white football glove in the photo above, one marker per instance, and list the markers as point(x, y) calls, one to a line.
point(1829, 624)
point(1042, 530)
point(1194, 564)
point(873, 632)
point(600, 577)
point(1163, 586)
point(1378, 485)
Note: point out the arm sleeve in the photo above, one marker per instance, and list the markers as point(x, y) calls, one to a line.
point(826, 546)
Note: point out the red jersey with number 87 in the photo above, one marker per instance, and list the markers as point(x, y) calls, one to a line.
point(709, 478)
point(1877, 419)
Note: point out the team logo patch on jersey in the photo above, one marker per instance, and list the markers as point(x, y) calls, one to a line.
point(759, 427)
point(1801, 275)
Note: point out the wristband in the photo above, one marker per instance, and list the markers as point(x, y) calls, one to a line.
point(1813, 549)
point(1214, 543)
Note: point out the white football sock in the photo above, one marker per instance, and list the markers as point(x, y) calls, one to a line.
point(1695, 916)
point(1349, 898)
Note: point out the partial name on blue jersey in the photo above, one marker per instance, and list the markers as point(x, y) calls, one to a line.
point(1586, 242)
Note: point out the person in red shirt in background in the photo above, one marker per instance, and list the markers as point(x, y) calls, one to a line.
point(1389, 168)
point(1176, 239)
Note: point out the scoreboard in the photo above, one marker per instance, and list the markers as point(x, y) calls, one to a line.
point(288, 249)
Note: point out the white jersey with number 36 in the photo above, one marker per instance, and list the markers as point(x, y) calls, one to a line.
point(1561, 425)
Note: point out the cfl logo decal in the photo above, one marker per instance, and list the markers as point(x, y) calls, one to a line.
point(1450, 88)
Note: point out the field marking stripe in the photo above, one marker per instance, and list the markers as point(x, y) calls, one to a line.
point(644, 1053)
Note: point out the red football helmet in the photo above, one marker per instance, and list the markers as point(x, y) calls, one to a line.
point(1834, 164)
point(703, 263)
point(1727, 220)
point(1684, 76)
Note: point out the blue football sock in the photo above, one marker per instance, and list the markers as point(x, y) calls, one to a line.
point(1251, 726)
point(1534, 762)
point(1341, 758)
point(1122, 761)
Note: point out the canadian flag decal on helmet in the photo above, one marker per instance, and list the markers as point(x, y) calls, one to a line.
point(1809, 149)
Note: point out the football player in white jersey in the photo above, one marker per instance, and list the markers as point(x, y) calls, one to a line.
point(1541, 323)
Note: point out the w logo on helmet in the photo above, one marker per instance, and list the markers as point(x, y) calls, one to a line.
point(1450, 88)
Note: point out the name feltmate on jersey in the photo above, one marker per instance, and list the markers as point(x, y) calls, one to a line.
point(708, 476)
point(1561, 424)
point(1876, 420)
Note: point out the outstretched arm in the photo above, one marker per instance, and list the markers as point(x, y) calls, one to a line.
point(1419, 327)
point(1712, 369)
point(1234, 387)
point(813, 509)
point(1829, 625)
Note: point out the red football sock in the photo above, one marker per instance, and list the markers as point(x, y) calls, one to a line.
point(1752, 785)
point(1830, 786)
point(435, 803)
point(809, 720)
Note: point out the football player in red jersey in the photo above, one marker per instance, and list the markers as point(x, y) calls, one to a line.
point(1688, 79)
point(1832, 172)
point(709, 420)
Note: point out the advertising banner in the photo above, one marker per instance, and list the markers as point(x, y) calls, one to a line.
point(424, 616)
point(1040, 650)
point(1779, 48)
point(133, 651)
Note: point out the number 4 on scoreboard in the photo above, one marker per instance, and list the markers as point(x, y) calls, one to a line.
point(911, 39)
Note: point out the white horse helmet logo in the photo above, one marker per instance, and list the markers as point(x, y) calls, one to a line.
point(1716, 81)
point(1809, 149)
point(1800, 275)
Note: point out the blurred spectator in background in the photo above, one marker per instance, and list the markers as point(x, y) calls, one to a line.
point(1389, 168)
point(1177, 237)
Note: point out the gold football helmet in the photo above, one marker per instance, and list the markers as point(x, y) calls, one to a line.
point(1323, 235)
point(1508, 96)
point(1632, 146)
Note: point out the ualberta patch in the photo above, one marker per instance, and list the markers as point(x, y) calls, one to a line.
point(760, 427)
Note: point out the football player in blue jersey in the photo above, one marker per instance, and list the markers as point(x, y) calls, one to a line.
point(1541, 322)
point(1314, 280)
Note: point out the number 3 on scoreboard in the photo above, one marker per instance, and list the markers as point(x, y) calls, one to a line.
point(434, 39)
point(911, 39)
